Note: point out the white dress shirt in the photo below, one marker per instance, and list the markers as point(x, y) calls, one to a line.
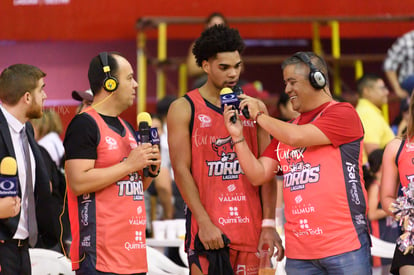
point(15, 127)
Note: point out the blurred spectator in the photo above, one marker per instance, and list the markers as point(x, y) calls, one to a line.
point(85, 97)
point(397, 171)
point(381, 224)
point(193, 70)
point(47, 130)
point(399, 125)
point(47, 133)
point(285, 109)
point(399, 63)
point(372, 95)
point(162, 110)
point(161, 189)
point(408, 85)
point(165, 180)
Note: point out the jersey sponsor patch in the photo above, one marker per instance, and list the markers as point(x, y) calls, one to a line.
point(138, 241)
point(131, 188)
point(227, 167)
point(111, 142)
point(233, 217)
point(301, 174)
point(205, 120)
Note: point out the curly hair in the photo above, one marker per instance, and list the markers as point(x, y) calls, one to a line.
point(217, 39)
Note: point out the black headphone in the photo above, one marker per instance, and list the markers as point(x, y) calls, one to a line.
point(316, 78)
point(110, 82)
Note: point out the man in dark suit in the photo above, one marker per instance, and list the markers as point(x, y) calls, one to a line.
point(23, 218)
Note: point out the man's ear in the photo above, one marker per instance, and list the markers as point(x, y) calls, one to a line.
point(27, 97)
point(366, 92)
point(205, 66)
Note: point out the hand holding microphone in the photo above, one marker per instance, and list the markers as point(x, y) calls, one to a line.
point(144, 122)
point(8, 177)
point(239, 91)
point(9, 201)
point(229, 97)
point(146, 134)
point(253, 106)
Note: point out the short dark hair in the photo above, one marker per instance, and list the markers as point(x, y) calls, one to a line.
point(18, 79)
point(366, 80)
point(375, 160)
point(96, 74)
point(217, 39)
point(215, 14)
point(317, 61)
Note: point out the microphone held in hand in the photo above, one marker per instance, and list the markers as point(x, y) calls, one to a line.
point(155, 140)
point(144, 122)
point(239, 91)
point(8, 177)
point(229, 97)
point(154, 136)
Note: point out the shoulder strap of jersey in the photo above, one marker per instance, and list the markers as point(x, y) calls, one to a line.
point(399, 151)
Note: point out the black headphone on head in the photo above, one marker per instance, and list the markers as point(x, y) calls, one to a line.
point(316, 78)
point(110, 82)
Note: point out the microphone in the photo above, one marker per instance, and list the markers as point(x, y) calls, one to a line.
point(154, 136)
point(239, 91)
point(8, 177)
point(144, 122)
point(228, 97)
point(155, 140)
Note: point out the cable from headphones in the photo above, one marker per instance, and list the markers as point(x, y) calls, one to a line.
point(102, 101)
point(62, 246)
point(61, 227)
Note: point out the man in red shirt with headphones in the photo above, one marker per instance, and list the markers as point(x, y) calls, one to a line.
point(319, 154)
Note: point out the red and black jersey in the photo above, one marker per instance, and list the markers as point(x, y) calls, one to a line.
point(109, 225)
point(405, 163)
point(231, 201)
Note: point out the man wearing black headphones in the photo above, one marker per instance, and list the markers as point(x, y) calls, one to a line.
point(320, 156)
point(104, 168)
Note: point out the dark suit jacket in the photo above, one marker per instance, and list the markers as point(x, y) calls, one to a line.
point(46, 226)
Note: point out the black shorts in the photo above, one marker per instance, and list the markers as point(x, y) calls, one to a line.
point(400, 260)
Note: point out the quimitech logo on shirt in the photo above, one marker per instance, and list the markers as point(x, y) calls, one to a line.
point(233, 217)
point(304, 229)
point(137, 243)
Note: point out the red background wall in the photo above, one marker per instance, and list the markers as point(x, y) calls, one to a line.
point(112, 20)
point(61, 39)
